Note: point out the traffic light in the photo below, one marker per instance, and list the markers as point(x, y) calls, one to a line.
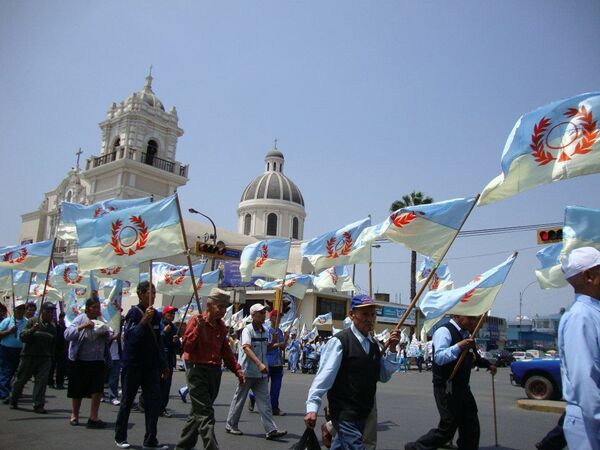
point(549, 235)
point(210, 249)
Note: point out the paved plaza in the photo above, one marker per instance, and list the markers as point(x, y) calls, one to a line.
point(406, 410)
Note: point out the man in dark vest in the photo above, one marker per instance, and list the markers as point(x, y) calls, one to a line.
point(453, 398)
point(351, 366)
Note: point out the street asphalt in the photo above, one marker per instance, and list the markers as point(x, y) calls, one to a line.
point(405, 404)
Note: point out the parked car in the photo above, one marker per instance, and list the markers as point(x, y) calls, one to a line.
point(489, 357)
point(519, 355)
point(503, 358)
point(540, 377)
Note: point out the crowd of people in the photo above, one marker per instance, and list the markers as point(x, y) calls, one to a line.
point(142, 355)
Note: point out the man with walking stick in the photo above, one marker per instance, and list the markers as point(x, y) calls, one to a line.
point(453, 397)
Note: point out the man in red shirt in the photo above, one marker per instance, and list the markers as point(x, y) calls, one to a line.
point(205, 347)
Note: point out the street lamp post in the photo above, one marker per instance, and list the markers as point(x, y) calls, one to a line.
point(371, 269)
point(214, 235)
point(521, 293)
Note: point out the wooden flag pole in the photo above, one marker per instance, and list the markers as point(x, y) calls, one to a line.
point(464, 353)
point(430, 276)
point(187, 253)
point(279, 294)
point(47, 274)
point(184, 315)
point(494, 407)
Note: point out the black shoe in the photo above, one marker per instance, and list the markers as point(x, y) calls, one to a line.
point(276, 434)
point(40, 410)
point(96, 424)
point(251, 405)
point(278, 412)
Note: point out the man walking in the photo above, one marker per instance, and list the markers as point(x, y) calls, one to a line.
point(578, 337)
point(36, 358)
point(253, 359)
point(143, 364)
point(351, 366)
point(206, 346)
point(10, 347)
point(453, 397)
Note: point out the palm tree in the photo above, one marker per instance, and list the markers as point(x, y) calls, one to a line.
point(415, 198)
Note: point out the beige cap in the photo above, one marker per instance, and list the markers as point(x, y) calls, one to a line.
point(218, 296)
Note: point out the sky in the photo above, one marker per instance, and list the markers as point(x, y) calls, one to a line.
point(368, 101)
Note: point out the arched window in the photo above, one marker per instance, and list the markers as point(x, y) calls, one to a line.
point(151, 151)
point(247, 224)
point(69, 196)
point(268, 166)
point(295, 228)
point(275, 166)
point(272, 224)
point(117, 143)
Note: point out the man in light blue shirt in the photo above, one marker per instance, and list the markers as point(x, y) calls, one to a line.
point(10, 347)
point(351, 365)
point(578, 338)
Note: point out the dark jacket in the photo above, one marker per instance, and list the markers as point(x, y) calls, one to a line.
point(39, 342)
point(143, 345)
point(172, 349)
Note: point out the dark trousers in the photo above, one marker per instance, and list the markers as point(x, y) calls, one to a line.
point(555, 439)
point(58, 369)
point(420, 363)
point(457, 411)
point(149, 381)
point(204, 382)
point(9, 361)
point(165, 390)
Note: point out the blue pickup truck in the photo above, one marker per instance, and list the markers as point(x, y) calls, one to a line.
point(540, 377)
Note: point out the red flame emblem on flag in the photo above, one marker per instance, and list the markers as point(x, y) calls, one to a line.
point(111, 270)
point(15, 256)
point(336, 248)
point(177, 281)
point(264, 255)
point(128, 240)
point(579, 133)
point(69, 279)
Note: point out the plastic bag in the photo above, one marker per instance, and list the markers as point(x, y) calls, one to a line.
point(308, 441)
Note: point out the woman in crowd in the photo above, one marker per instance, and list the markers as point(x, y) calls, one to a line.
point(88, 344)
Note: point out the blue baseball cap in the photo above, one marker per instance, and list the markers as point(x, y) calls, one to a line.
point(361, 300)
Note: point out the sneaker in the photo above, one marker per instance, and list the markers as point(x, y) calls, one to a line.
point(234, 431)
point(251, 405)
point(275, 434)
point(123, 444)
point(155, 447)
point(166, 413)
point(96, 424)
point(182, 395)
point(115, 402)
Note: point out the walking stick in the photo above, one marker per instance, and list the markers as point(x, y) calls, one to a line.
point(494, 406)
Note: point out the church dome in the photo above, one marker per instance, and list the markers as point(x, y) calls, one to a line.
point(273, 184)
point(147, 95)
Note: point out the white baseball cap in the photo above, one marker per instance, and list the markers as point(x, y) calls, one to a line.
point(580, 260)
point(256, 308)
point(19, 303)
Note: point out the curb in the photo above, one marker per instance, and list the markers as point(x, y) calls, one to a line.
point(542, 405)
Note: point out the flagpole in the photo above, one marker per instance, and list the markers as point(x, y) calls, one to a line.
point(439, 261)
point(47, 273)
point(464, 353)
point(12, 283)
point(187, 253)
point(150, 275)
point(494, 407)
point(280, 306)
point(189, 303)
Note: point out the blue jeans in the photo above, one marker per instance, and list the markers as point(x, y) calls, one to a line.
point(349, 435)
point(9, 361)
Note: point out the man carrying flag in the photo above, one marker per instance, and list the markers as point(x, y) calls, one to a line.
point(453, 397)
point(206, 346)
point(351, 366)
point(578, 337)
